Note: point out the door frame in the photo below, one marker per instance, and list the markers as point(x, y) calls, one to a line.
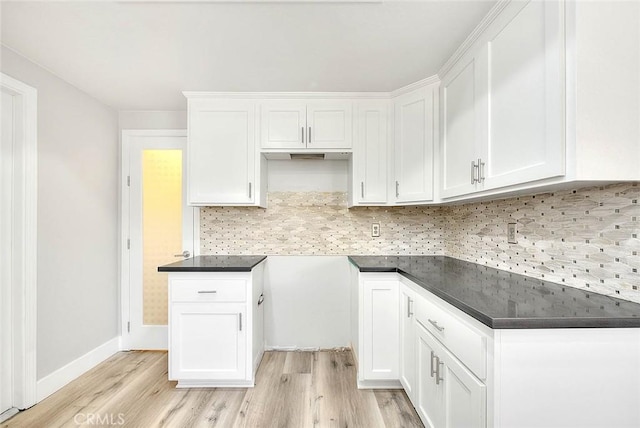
point(24, 218)
point(125, 267)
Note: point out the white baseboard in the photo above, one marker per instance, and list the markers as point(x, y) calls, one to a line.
point(56, 380)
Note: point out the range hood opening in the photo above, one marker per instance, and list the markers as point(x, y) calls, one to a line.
point(307, 156)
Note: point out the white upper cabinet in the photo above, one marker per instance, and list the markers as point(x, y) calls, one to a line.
point(462, 122)
point(221, 152)
point(318, 124)
point(502, 103)
point(415, 130)
point(369, 162)
point(283, 124)
point(524, 79)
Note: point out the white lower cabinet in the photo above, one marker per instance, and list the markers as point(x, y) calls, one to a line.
point(458, 372)
point(448, 394)
point(209, 341)
point(408, 343)
point(215, 328)
point(378, 330)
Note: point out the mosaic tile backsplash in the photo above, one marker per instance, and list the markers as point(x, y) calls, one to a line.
point(319, 223)
point(586, 238)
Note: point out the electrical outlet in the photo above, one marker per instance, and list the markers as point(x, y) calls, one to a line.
point(375, 230)
point(511, 233)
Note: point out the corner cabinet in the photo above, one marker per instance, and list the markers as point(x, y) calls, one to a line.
point(415, 124)
point(224, 167)
point(458, 372)
point(215, 328)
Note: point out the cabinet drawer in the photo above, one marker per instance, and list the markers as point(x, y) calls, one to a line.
point(467, 344)
point(209, 290)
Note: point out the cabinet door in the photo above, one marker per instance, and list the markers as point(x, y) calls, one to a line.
point(283, 124)
point(380, 330)
point(524, 77)
point(221, 152)
point(465, 395)
point(448, 393)
point(408, 367)
point(329, 124)
point(461, 99)
point(430, 395)
point(414, 139)
point(370, 154)
point(208, 341)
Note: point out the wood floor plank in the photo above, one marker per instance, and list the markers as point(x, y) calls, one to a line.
point(293, 389)
point(258, 409)
point(396, 409)
point(298, 362)
point(97, 384)
point(336, 399)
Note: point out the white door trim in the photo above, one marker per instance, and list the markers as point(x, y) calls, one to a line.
point(125, 268)
point(24, 250)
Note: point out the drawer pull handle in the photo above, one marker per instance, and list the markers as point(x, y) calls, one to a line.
point(260, 299)
point(207, 291)
point(432, 369)
point(435, 324)
point(438, 377)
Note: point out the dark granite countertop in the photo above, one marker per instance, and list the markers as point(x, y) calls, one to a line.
point(504, 300)
point(214, 264)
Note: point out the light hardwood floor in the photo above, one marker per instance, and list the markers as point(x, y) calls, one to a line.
point(293, 389)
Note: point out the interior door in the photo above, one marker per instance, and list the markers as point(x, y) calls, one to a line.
point(6, 173)
point(161, 231)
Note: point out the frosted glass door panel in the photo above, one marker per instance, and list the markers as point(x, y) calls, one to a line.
point(162, 227)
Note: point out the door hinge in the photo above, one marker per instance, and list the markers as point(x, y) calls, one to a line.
point(128, 180)
point(128, 327)
point(128, 244)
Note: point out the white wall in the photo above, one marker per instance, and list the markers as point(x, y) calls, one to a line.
point(307, 302)
point(307, 175)
point(153, 119)
point(608, 87)
point(77, 217)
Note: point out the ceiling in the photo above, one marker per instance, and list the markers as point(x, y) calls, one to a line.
point(141, 55)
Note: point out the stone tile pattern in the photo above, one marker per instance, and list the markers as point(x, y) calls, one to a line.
point(319, 223)
point(586, 238)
